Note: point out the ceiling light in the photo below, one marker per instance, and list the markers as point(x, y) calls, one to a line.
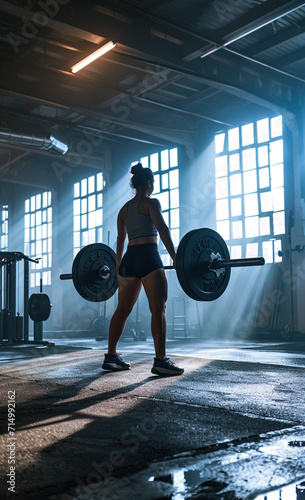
point(95, 55)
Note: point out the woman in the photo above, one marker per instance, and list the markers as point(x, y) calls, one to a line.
point(141, 219)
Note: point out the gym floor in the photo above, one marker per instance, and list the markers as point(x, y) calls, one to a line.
point(231, 427)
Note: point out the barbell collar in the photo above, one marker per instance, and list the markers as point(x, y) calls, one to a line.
point(220, 264)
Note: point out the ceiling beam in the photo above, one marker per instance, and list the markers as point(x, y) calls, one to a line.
point(275, 40)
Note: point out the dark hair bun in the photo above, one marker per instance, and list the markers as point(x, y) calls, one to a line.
point(136, 169)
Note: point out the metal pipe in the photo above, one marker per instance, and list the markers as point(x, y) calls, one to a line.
point(33, 142)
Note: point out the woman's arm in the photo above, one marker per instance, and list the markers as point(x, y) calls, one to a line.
point(120, 240)
point(164, 232)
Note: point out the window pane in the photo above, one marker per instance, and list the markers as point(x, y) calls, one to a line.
point(219, 143)
point(164, 181)
point(247, 132)
point(38, 201)
point(251, 250)
point(100, 182)
point(276, 152)
point(91, 184)
point(27, 205)
point(163, 198)
point(233, 139)
point(252, 229)
point(235, 184)
point(266, 202)
point(263, 130)
point(237, 229)
point(276, 126)
point(174, 179)
point(264, 178)
point(157, 183)
point(279, 223)
point(249, 159)
point(268, 251)
point(174, 218)
point(277, 176)
point(84, 187)
point(222, 209)
point(91, 203)
point(84, 205)
point(76, 226)
point(263, 156)
point(45, 200)
point(222, 188)
point(278, 199)
point(99, 200)
point(174, 198)
point(234, 162)
point(99, 217)
point(154, 162)
point(236, 252)
point(166, 218)
point(235, 207)
point(164, 160)
point(91, 220)
point(76, 190)
point(250, 181)
point(264, 226)
point(175, 236)
point(144, 161)
point(221, 166)
point(173, 157)
point(84, 221)
point(223, 228)
point(91, 236)
point(277, 248)
point(251, 205)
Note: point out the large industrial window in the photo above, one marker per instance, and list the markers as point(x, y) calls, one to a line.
point(249, 171)
point(88, 212)
point(38, 237)
point(166, 173)
point(3, 228)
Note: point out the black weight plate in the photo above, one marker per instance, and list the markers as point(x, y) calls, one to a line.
point(39, 307)
point(194, 253)
point(85, 272)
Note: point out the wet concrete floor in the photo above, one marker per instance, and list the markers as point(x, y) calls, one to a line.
point(231, 427)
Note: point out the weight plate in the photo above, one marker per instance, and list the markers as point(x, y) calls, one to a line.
point(85, 272)
point(39, 307)
point(196, 249)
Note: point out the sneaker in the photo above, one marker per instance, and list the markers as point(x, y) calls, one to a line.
point(166, 367)
point(115, 363)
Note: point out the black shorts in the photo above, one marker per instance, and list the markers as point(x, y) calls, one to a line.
point(140, 260)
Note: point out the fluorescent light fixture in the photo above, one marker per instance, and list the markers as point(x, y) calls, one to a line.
point(95, 55)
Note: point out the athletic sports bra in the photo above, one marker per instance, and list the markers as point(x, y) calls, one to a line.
point(137, 224)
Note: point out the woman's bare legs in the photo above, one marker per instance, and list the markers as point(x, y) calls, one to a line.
point(129, 289)
point(155, 285)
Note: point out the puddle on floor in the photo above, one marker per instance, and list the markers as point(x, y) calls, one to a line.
point(189, 482)
point(186, 483)
point(295, 491)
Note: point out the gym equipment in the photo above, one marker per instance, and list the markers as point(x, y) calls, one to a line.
point(39, 307)
point(39, 311)
point(203, 267)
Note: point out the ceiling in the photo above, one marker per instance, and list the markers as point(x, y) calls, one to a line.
point(178, 66)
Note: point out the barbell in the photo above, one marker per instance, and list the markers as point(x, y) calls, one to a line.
point(203, 267)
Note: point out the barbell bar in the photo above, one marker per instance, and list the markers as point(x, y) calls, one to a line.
point(217, 263)
point(203, 267)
